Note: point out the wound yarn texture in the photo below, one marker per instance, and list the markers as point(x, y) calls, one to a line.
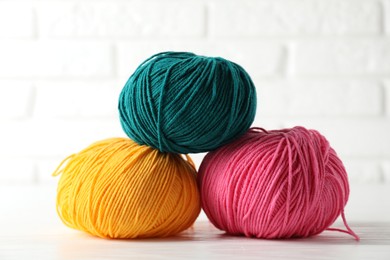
point(116, 188)
point(184, 103)
point(274, 184)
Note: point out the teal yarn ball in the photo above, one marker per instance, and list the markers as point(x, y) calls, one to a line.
point(185, 103)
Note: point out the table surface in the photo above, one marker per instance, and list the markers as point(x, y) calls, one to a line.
point(30, 229)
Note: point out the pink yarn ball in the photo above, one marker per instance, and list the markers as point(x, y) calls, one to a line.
point(274, 184)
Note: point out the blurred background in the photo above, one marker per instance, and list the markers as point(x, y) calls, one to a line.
point(322, 64)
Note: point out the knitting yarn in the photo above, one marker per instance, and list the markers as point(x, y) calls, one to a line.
point(184, 103)
point(116, 188)
point(274, 184)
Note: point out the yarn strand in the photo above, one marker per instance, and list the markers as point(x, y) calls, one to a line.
point(185, 103)
point(116, 188)
point(348, 231)
point(275, 184)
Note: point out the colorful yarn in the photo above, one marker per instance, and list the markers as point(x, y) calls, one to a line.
point(116, 188)
point(274, 184)
point(184, 103)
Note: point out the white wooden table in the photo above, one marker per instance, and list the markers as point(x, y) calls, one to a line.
point(30, 229)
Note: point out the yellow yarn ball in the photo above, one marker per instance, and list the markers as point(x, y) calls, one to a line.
point(116, 188)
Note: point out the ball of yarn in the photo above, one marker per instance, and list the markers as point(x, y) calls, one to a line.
point(274, 184)
point(116, 188)
point(184, 103)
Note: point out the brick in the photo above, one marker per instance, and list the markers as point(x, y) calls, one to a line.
point(386, 171)
point(74, 99)
point(258, 58)
point(16, 20)
point(387, 15)
point(387, 98)
point(363, 171)
point(17, 171)
point(41, 138)
point(320, 98)
point(342, 57)
point(366, 138)
point(299, 17)
point(272, 98)
point(121, 19)
point(16, 99)
point(45, 169)
point(55, 59)
point(363, 205)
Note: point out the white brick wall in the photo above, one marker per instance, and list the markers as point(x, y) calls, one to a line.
point(121, 19)
point(320, 97)
point(251, 18)
point(51, 59)
point(258, 58)
point(387, 17)
point(323, 64)
point(16, 99)
point(16, 20)
point(72, 99)
point(351, 57)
